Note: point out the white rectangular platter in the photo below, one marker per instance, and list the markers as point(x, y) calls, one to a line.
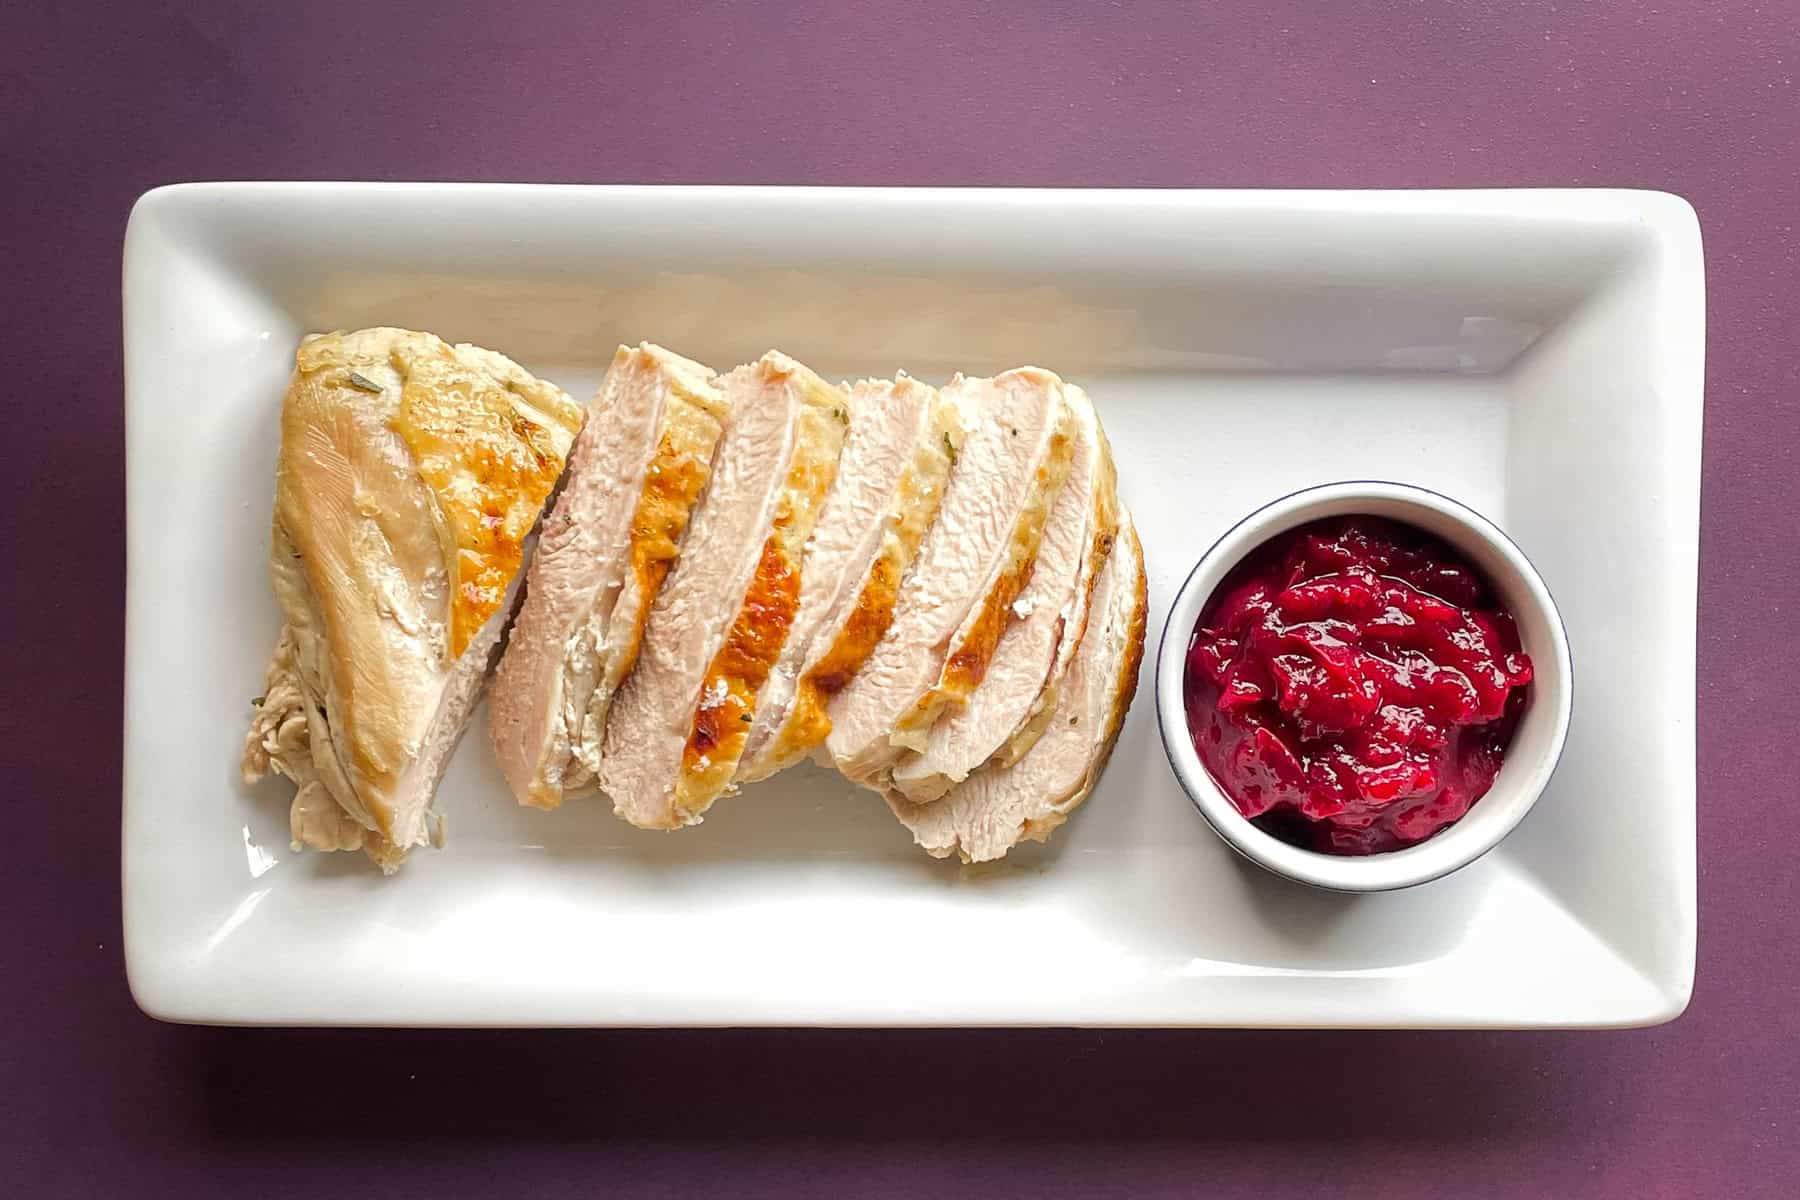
point(1534, 354)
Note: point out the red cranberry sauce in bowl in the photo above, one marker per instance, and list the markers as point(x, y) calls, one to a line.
point(1353, 685)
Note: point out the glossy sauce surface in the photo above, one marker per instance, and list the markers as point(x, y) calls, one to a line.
point(1353, 685)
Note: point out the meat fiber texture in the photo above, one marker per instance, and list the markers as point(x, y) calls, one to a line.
point(1008, 709)
point(890, 482)
point(936, 592)
point(971, 567)
point(1003, 804)
point(609, 540)
point(678, 727)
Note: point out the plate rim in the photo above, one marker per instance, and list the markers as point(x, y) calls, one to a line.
point(166, 992)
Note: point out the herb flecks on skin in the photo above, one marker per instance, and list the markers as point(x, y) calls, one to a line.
point(363, 383)
point(950, 449)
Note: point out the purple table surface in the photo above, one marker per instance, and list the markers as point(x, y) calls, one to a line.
point(100, 102)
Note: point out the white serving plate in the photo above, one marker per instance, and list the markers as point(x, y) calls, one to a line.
point(1534, 354)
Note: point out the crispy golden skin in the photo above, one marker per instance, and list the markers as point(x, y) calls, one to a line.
point(490, 442)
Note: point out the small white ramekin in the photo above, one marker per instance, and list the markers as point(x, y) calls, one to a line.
point(1536, 745)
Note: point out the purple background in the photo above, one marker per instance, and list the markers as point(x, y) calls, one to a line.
point(100, 102)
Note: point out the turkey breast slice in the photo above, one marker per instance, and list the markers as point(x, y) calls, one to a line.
point(890, 480)
point(679, 723)
point(997, 807)
point(1006, 713)
point(970, 568)
point(606, 546)
point(411, 473)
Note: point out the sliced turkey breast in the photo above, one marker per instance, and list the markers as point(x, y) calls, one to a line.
point(606, 545)
point(997, 807)
point(410, 474)
point(970, 568)
point(1034, 652)
point(678, 725)
point(890, 481)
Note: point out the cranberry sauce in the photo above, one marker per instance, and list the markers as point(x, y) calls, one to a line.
point(1353, 685)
